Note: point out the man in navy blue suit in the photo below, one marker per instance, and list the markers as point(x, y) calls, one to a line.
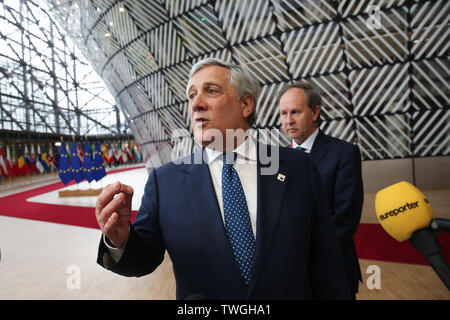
point(339, 165)
point(255, 227)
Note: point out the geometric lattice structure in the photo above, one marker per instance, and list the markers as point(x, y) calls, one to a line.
point(46, 85)
point(382, 66)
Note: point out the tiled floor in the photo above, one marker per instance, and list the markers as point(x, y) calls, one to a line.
point(42, 260)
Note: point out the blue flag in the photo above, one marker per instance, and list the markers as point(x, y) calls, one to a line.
point(99, 171)
point(76, 164)
point(65, 174)
point(88, 165)
point(41, 157)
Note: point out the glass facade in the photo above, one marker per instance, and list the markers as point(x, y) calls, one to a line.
point(381, 66)
point(46, 85)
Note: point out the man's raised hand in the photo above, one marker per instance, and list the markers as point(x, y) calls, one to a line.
point(113, 212)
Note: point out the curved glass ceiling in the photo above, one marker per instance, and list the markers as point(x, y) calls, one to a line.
point(46, 85)
point(382, 66)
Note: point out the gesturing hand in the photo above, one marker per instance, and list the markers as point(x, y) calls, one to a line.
point(113, 212)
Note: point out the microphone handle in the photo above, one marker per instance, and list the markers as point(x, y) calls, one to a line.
point(425, 241)
point(440, 266)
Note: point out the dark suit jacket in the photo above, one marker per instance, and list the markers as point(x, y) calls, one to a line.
point(339, 164)
point(297, 256)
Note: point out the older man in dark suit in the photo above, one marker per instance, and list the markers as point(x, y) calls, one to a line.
point(339, 164)
point(234, 227)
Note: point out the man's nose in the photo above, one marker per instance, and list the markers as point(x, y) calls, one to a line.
point(198, 103)
point(289, 119)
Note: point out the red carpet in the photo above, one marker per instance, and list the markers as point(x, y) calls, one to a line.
point(372, 242)
point(16, 206)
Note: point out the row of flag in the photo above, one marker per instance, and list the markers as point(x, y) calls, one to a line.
point(16, 160)
point(92, 169)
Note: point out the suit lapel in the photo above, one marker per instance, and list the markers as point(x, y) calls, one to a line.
point(199, 191)
point(270, 199)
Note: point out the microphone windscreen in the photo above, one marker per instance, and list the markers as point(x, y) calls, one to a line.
point(402, 209)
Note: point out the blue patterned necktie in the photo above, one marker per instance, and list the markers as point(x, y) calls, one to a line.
point(237, 218)
point(301, 149)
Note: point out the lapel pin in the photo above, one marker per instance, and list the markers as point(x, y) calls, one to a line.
point(281, 177)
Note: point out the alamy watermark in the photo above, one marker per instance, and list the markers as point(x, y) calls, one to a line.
point(374, 20)
point(374, 280)
point(268, 153)
point(73, 282)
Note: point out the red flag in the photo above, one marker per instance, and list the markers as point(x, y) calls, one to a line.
point(51, 159)
point(80, 153)
point(32, 159)
point(9, 165)
point(3, 169)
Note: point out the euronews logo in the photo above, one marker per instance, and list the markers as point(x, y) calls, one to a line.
point(395, 212)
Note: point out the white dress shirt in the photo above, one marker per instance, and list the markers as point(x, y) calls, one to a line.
point(308, 143)
point(246, 168)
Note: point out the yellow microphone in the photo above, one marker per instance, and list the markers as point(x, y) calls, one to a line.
point(406, 214)
point(402, 210)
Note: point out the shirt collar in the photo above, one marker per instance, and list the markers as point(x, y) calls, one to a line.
point(245, 151)
point(308, 143)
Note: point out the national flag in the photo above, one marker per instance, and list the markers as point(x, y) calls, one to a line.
point(39, 165)
point(9, 165)
point(56, 155)
point(80, 152)
point(128, 153)
point(3, 169)
point(133, 153)
point(23, 166)
point(112, 156)
point(120, 155)
point(138, 153)
point(51, 158)
point(44, 160)
point(33, 154)
point(34, 168)
point(64, 171)
point(15, 164)
point(88, 165)
point(69, 156)
point(28, 161)
point(105, 153)
point(99, 172)
point(76, 164)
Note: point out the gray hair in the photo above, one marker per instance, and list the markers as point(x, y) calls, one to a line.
point(313, 98)
point(240, 78)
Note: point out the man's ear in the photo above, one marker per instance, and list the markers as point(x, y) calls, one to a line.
point(316, 113)
point(248, 103)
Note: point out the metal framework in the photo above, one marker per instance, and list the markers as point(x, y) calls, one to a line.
point(46, 85)
point(382, 66)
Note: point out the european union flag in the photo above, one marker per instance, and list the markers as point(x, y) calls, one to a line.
point(65, 174)
point(88, 166)
point(99, 171)
point(76, 164)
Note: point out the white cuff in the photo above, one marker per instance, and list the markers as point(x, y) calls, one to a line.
point(115, 253)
